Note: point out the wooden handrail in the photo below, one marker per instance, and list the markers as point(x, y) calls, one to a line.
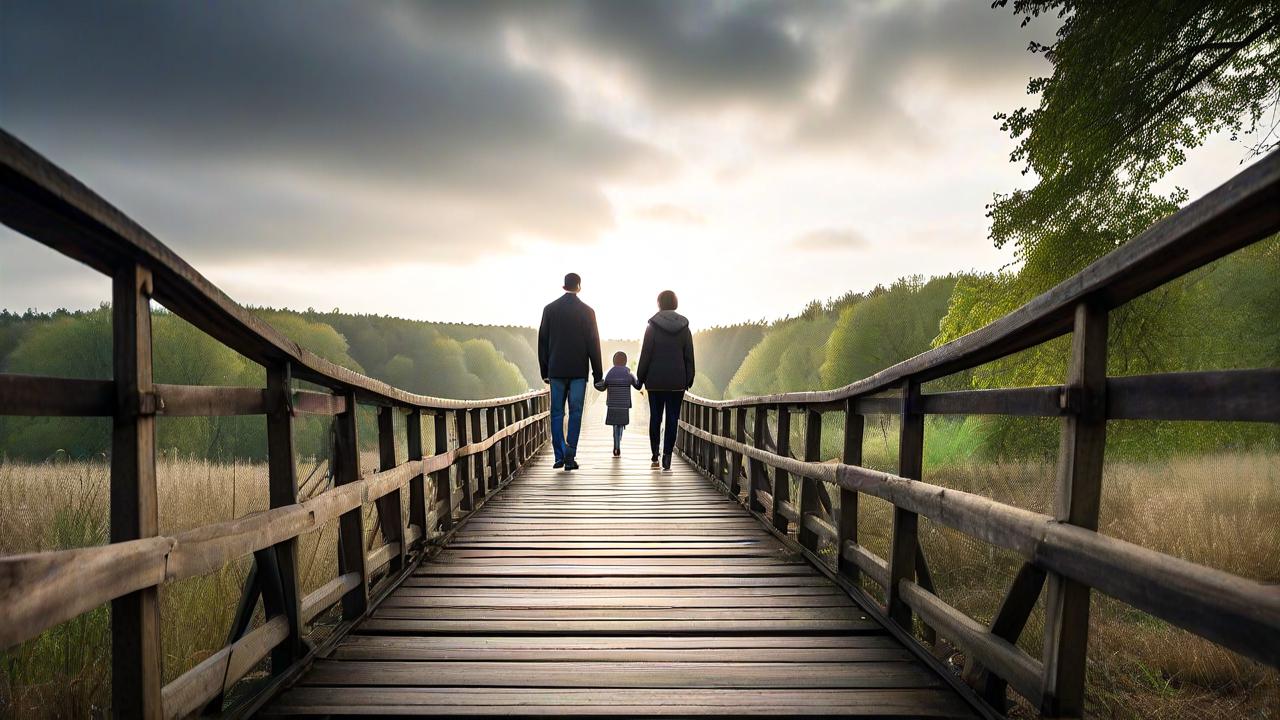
point(1235, 612)
point(40, 590)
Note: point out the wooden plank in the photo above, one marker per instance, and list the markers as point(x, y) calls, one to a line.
point(217, 673)
point(346, 470)
point(1024, 402)
point(904, 542)
point(417, 483)
point(462, 468)
point(441, 478)
point(567, 601)
point(282, 480)
point(325, 596)
point(1239, 395)
point(781, 488)
point(1003, 657)
point(308, 402)
point(39, 396)
point(809, 505)
point(541, 648)
point(1079, 494)
point(620, 675)
point(847, 522)
point(135, 617)
point(631, 702)
point(1008, 623)
point(390, 507)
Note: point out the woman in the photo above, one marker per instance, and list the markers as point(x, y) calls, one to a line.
point(666, 371)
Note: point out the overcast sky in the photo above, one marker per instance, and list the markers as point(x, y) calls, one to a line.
point(451, 161)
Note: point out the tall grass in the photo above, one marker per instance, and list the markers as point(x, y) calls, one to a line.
point(1217, 510)
point(62, 504)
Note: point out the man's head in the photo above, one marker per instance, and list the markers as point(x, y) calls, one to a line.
point(572, 283)
point(667, 300)
point(619, 359)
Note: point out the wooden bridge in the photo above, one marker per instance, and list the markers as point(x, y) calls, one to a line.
point(735, 585)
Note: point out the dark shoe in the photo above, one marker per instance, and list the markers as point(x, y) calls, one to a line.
point(653, 463)
point(617, 452)
point(666, 463)
point(570, 465)
point(557, 465)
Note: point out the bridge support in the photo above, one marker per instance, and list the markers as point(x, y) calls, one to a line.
point(1079, 493)
point(135, 617)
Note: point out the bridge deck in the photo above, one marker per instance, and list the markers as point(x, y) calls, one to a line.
point(618, 590)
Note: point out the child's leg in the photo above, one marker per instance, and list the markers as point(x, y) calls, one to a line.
point(617, 436)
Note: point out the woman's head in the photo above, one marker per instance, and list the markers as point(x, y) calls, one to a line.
point(667, 300)
point(619, 359)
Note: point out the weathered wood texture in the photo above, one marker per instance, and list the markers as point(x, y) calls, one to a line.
point(582, 594)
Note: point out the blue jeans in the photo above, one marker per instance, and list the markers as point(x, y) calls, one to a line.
point(664, 404)
point(617, 436)
point(573, 390)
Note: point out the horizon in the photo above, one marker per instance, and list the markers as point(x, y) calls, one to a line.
point(645, 147)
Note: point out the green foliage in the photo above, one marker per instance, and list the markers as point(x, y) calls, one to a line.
point(720, 352)
point(889, 326)
point(788, 358)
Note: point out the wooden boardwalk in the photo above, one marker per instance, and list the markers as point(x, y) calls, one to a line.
point(618, 590)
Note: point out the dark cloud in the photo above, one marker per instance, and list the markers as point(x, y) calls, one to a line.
point(280, 127)
point(831, 239)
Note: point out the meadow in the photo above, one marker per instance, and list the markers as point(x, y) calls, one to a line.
point(1218, 510)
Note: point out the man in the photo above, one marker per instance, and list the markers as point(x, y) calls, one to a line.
point(568, 341)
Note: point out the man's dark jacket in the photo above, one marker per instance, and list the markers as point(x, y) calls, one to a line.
point(568, 340)
point(666, 358)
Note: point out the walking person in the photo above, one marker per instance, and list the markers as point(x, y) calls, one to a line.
point(618, 382)
point(568, 345)
point(666, 371)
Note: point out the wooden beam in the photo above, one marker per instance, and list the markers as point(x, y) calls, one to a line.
point(781, 490)
point(809, 504)
point(39, 396)
point(282, 480)
point(739, 434)
point(351, 558)
point(1079, 493)
point(848, 519)
point(136, 663)
point(462, 468)
point(417, 483)
point(390, 507)
point(902, 551)
point(1007, 624)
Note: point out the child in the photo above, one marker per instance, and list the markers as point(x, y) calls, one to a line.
point(618, 382)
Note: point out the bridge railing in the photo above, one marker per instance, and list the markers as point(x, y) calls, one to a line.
point(1062, 548)
point(478, 446)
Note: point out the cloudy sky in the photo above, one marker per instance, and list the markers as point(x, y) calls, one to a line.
point(451, 161)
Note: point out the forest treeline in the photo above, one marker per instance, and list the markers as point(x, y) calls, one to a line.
point(1219, 317)
point(442, 359)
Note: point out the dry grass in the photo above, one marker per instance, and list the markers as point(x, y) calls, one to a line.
point(63, 504)
point(1220, 511)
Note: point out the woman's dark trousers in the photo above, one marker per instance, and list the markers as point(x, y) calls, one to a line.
point(664, 403)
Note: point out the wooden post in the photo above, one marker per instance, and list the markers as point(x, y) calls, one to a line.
point(714, 466)
point(1079, 491)
point(521, 438)
point(417, 489)
point(755, 469)
point(722, 456)
point(135, 618)
point(390, 512)
point(809, 504)
point(491, 455)
point(463, 464)
point(739, 434)
point(441, 479)
point(848, 527)
point(283, 489)
point(781, 478)
point(351, 523)
point(477, 460)
point(903, 549)
point(1008, 623)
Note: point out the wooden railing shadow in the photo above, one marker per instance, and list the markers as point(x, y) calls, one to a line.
point(1063, 554)
point(490, 441)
